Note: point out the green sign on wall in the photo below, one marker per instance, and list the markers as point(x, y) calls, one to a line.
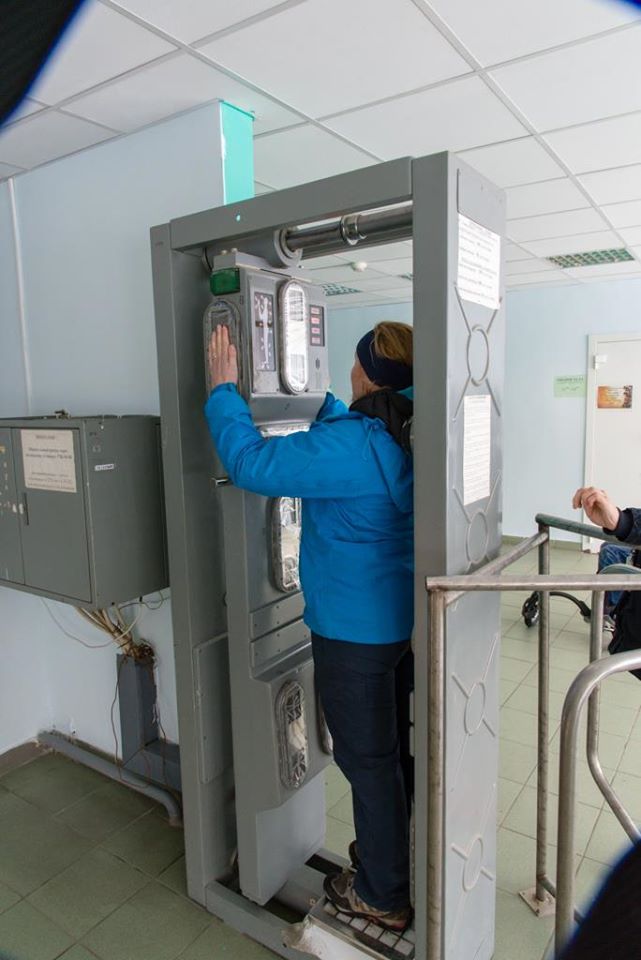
point(570, 386)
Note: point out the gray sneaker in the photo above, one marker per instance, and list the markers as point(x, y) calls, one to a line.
point(340, 890)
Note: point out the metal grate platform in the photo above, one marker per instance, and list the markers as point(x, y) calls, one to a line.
point(370, 938)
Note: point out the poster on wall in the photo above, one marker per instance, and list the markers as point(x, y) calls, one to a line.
point(614, 398)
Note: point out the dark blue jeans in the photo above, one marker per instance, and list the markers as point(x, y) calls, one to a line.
point(612, 553)
point(364, 689)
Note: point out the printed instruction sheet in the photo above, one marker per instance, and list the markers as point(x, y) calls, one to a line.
point(48, 459)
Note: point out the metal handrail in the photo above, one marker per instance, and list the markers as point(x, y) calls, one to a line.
point(444, 591)
point(583, 687)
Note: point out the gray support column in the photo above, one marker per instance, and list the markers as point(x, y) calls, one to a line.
point(196, 571)
point(458, 349)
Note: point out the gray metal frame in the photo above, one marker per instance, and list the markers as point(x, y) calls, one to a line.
point(454, 901)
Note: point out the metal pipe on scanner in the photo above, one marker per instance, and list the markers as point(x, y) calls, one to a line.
point(349, 230)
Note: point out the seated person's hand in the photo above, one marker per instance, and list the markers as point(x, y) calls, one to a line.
point(597, 506)
point(223, 361)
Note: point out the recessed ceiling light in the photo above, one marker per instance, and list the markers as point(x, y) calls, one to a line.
point(592, 258)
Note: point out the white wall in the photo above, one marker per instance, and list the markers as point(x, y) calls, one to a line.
point(345, 328)
point(84, 227)
point(547, 336)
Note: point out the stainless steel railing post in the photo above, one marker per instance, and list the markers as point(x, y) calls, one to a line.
point(580, 690)
point(435, 773)
point(543, 722)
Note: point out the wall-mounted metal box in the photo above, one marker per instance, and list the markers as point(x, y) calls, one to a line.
point(81, 508)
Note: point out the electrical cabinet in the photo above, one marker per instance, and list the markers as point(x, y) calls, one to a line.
point(81, 508)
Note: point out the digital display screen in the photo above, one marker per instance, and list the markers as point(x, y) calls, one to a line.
point(316, 326)
point(264, 352)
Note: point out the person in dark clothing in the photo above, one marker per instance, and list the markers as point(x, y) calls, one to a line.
point(626, 526)
point(612, 928)
point(353, 471)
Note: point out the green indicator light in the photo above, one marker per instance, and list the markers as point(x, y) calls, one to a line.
point(225, 281)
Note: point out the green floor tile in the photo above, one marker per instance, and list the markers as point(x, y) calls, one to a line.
point(589, 880)
point(88, 891)
point(343, 810)
point(156, 924)
point(519, 934)
point(78, 952)
point(519, 649)
point(336, 785)
point(26, 935)
point(37, 848)
point(514, 669)
point(105, 811)
point(338, 836)
point(52, 782)
point(8, 897)
point(516, 761)
point(628, 789)
point(609, 841)
point(148, 843)
point(174, 877)
point(506, 689)
point(224, 943)
point(520, 727)
point(522, 819)
point(12, 806)
point(508, 791)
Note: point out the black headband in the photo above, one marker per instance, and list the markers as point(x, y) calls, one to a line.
point(381, 371)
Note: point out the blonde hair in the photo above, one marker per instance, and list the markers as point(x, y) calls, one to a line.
point(394, 341)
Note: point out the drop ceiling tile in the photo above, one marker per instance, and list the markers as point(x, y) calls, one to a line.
point(316, 263)
point(310, 55)
point(555, 225)
point(303, 154)
point(597, 146)
point(344, 274)
point(547, 276)
point(456, 116)
point(631, 234)
point(604, 270)
point(577, 84)
point(636, 251)
point(6, 170)
point(623, 214)
point(26, 108)
point(632, 276)
point(396, 268)
point(166, 88)
point(513, 252)
point(386, 251)
point(510, 164)
point(359, 299)
point(548, 197)
point(603, 240)
point(99, 44)
point(189, 20)
point(46, 137)
point(533, 265)
point(614, 186)
point(522, 287)
point(496, 30)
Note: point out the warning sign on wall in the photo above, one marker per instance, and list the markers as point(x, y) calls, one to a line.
point(48, 460)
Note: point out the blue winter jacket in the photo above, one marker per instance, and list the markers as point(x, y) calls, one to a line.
point(355, 482)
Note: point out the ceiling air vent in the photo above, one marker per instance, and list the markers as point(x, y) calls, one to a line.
point(590, 259)
point(337, 289)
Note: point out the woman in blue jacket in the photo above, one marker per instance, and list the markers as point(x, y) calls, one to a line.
point(353, 471)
